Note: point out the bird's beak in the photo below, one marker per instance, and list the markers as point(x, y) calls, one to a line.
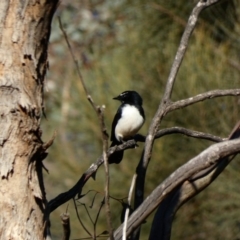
point(117, 98)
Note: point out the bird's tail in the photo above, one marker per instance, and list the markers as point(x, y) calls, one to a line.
point(116, 157)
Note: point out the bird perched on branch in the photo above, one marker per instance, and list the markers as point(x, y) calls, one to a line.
point(127, 121)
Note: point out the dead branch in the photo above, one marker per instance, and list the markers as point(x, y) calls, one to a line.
point(128, 206)
point(189, 133)
point(202, 4)
point(201, 97)
point(99, 111)
point(66, 226)
point(80, 220)
point(166, 100)
point(162, 222)
point(91, 171)
point(212, 155)
point(181, 130)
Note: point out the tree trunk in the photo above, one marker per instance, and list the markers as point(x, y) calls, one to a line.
point(25, 29)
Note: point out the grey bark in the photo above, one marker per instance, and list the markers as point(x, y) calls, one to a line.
point(212, 156)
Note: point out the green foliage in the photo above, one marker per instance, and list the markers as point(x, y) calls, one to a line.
point(131, 45)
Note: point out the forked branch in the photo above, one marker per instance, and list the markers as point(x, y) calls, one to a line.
point(192, 21)
point(162, 223)
point(166, 100)
point(91, 171)
point(217, 155)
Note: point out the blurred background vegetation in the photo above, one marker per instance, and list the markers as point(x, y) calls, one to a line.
point(123, 45)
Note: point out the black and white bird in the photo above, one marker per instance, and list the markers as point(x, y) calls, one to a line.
point(127, 121)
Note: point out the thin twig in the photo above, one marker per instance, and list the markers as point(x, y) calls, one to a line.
point(94, 197)
point(201, 97)
point(88, 214)
point(75, 60)
point(98, 213)
point(99, 112)
point(128, 208)
point(80, 221)
point(189, 133)
point(181, 130)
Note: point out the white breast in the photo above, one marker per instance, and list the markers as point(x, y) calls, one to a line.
point(129, 124)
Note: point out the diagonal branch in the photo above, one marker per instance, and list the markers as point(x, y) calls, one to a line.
point(163, 219)
point(201, 97)
point(91, 171)
point(209, 157)
point(192, 21)
point(166, 100)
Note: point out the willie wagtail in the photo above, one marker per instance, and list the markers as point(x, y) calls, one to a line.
point(127, 121)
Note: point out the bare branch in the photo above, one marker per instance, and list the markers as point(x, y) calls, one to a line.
point(166, 100)
point(189, 133)
point(212, 155)
point(75, 62)
point(129, 204)
point(99, 112)
point(66, 226)
point(163, 219)
point(91, 171)
point(201, 97)
point(80, 220)
point(107, 179)
point(172, 76)
point(162, 222)
point(96, 220)
point(141, 171)
point(184, 131)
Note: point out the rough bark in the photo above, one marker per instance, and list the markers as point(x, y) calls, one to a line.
point(24, 35)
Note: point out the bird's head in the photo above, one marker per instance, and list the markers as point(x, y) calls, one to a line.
point(130, 97)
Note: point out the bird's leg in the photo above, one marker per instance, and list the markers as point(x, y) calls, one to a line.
point(125, 140)
point(121, 139)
